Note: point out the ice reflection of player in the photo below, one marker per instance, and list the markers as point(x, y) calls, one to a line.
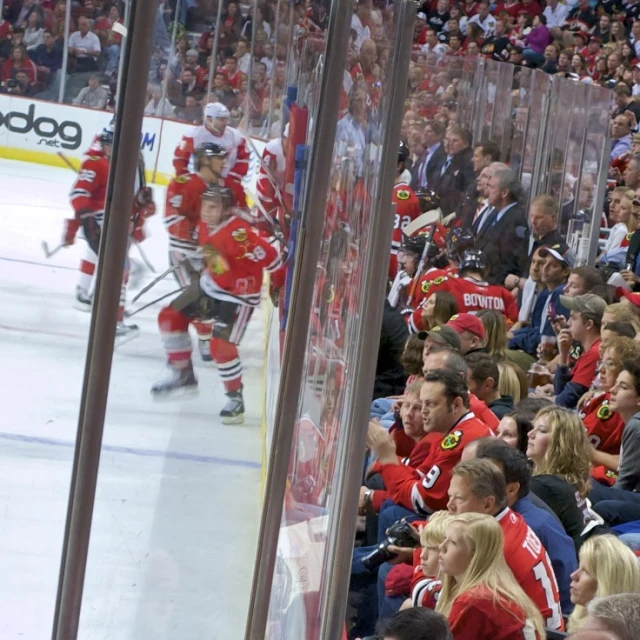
point(235, 258)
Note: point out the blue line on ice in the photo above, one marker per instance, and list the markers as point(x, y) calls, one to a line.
point(148, 453)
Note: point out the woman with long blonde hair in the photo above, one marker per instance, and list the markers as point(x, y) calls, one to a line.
point(607, 567)
point(480, 596)
point(561, 456)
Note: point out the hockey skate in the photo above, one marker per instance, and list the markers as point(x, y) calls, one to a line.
point(82, 301)
point(233, 411)
point(125, 333)
point(179, 382)
point(205, 350)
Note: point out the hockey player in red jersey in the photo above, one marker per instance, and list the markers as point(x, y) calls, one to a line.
point(270, 180)
point(471, 291)
point(227, 292)
point(182, 218)
point(88, 201)
point(215, 129)
point(407, 208)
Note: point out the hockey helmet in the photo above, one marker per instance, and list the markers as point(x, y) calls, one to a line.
point(208, 150)
point(222, 194)
point(403, 152)
point(216, 110)
point(414, 244)
point(106, 137)
point(429, 200)
point(459, 240)
point(473, 260)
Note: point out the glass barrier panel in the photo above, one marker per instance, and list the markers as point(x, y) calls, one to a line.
point(295, 602)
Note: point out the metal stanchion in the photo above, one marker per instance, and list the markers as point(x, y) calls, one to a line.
point(308, 250)
point(165, 82)
point(272, 84)
point(351, 444)
point(65, 52)
point(598, 198)
point(252, 48)
point(214, 50)
point(113, 249)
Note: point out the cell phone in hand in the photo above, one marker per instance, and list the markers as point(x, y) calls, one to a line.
point(551, 312)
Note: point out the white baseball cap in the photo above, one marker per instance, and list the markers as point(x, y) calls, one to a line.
point(216, 110)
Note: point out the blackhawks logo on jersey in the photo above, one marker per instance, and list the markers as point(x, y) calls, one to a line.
point(439, 280)
point(451, 441)
point(610, 474)
point(214, 261)
point(240, 235)
point(604, 412)
point(403, 194)
point(424, 287)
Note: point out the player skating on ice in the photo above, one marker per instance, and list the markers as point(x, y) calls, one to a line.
point(182, 217)
point(215, 129)
point(235, 258)
point(87, 199)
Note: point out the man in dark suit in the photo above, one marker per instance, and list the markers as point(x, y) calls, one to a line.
point(502, 230)
point(483, 155)
point(456, 173)
point(429, 163)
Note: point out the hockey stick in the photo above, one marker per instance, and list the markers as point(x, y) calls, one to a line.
point(129, 314)
point(144, 257)
point(154, 282)
point(50, 253)
point(67, 161)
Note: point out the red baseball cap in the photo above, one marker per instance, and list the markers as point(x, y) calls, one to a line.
point(632, 297)
point(467, 322)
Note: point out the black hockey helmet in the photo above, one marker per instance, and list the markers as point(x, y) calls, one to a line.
point(414, 244)
point(208, 150)
point(472, 260)
point(222, 194)
point(106, 137)
point(429, 200)
point(459, 240)
point(403, 152)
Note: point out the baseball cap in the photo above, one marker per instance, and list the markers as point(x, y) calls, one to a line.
point(467, 322)
point(421, 16)
point(443, 335)
point(557, 251)
point(588, 304)
point(634, 298)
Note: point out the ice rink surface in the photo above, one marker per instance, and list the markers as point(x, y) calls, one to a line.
point(178, 503)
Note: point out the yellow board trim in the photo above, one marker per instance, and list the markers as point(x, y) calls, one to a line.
point(53, 160)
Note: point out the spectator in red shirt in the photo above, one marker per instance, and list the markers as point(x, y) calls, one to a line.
point(584, 324)
point(480, 595)
point(19, 61)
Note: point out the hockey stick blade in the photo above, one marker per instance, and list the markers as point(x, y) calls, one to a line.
point(45, 249)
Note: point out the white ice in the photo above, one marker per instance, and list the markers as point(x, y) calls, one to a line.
point(177, 509)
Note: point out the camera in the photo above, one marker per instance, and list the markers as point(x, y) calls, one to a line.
point(400, 534)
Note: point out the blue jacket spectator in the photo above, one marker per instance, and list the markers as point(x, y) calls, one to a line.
point(47, 55)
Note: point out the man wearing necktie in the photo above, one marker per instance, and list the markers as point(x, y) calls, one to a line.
point(456, 173)
point(429, 164)
point(501, 232)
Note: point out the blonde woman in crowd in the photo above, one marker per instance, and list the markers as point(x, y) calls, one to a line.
point(607, 567)
point(625, 220)
point(480, 596)
point(561, 456)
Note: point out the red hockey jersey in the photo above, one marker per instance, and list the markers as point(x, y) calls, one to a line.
point(182, 211)
point(604, 426)
point(273, 160)
point(475, 614)
point(531, 566)
point(236, 258)
point(407, 207)
point(425, 489)
point(89, 191)
point(237, 163)
point(474, 295)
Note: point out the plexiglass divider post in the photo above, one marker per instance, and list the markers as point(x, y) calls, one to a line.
point(299, 316)
point(112, 255)
point(361, 363)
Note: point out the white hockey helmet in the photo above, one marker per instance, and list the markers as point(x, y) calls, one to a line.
point(216, 110)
